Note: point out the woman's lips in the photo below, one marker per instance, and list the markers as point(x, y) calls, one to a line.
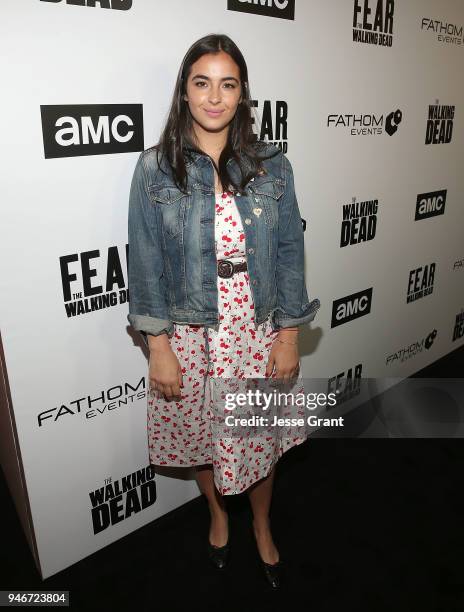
point(213, 113)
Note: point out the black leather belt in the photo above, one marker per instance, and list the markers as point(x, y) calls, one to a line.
point(227, 268)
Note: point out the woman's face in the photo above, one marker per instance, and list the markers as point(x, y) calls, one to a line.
point(213, 91)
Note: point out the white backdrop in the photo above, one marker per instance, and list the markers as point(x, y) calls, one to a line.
point(73, 413)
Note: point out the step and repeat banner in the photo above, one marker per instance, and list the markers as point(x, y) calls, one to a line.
point(365, 97)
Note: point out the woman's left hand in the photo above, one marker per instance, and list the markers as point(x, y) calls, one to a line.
point(286, 360)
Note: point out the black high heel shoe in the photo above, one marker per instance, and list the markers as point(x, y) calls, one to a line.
point(219, 555)
point(273, 572)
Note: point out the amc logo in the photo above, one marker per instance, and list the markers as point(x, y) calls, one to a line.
point(430, 204)
point(85, 129)
point(351, 307)
point(284, 9)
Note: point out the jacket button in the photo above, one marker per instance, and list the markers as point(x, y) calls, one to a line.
point(247, 221)
point(251, 250)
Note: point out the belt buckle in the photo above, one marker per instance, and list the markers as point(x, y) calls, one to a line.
point(225, 268)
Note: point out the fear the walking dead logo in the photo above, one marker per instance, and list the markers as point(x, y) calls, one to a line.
point(373, 22)
point(421, 282)
point(346, 384)
point(119, 5)
point(367, 124)
point(92, 281)
point(458, 328)
point(118, 500)
point(439, 124)
point(274, 123)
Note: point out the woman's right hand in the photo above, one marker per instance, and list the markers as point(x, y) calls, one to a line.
point(164, 372)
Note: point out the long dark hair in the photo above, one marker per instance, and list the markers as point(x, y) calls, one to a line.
point(176, 142)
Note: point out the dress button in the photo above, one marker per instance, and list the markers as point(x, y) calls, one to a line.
point(251, 250)
point(247, 221)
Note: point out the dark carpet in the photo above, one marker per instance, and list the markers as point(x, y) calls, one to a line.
point(363, 524)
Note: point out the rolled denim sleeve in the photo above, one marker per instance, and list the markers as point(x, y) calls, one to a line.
point(148, 306)
point(293, 306)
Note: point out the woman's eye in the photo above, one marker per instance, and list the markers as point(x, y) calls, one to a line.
point(228, 85)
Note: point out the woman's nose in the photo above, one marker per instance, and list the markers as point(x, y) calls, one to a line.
point(214, 94)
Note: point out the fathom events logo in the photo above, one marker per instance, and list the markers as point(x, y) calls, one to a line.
point(121, 396)
point(367, 124)
point(412, 350)
point(283, 9)
point(373, 22)
point(91, 129)
point(448, 33)
point(119, 5)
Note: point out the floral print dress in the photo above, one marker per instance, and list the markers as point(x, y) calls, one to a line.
point(183, 433)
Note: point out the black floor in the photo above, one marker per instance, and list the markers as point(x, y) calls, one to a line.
point(372, 524)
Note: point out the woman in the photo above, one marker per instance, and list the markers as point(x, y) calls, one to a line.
point(216, 284)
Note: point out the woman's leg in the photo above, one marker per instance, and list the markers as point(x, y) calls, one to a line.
point(260, 495)
point(218, 532)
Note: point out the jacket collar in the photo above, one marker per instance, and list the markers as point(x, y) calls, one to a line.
point(194, 156)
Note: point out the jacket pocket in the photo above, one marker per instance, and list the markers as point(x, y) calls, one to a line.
point(171, 203)
point(267, 192)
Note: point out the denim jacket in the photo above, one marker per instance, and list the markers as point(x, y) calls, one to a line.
point(172, 267)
